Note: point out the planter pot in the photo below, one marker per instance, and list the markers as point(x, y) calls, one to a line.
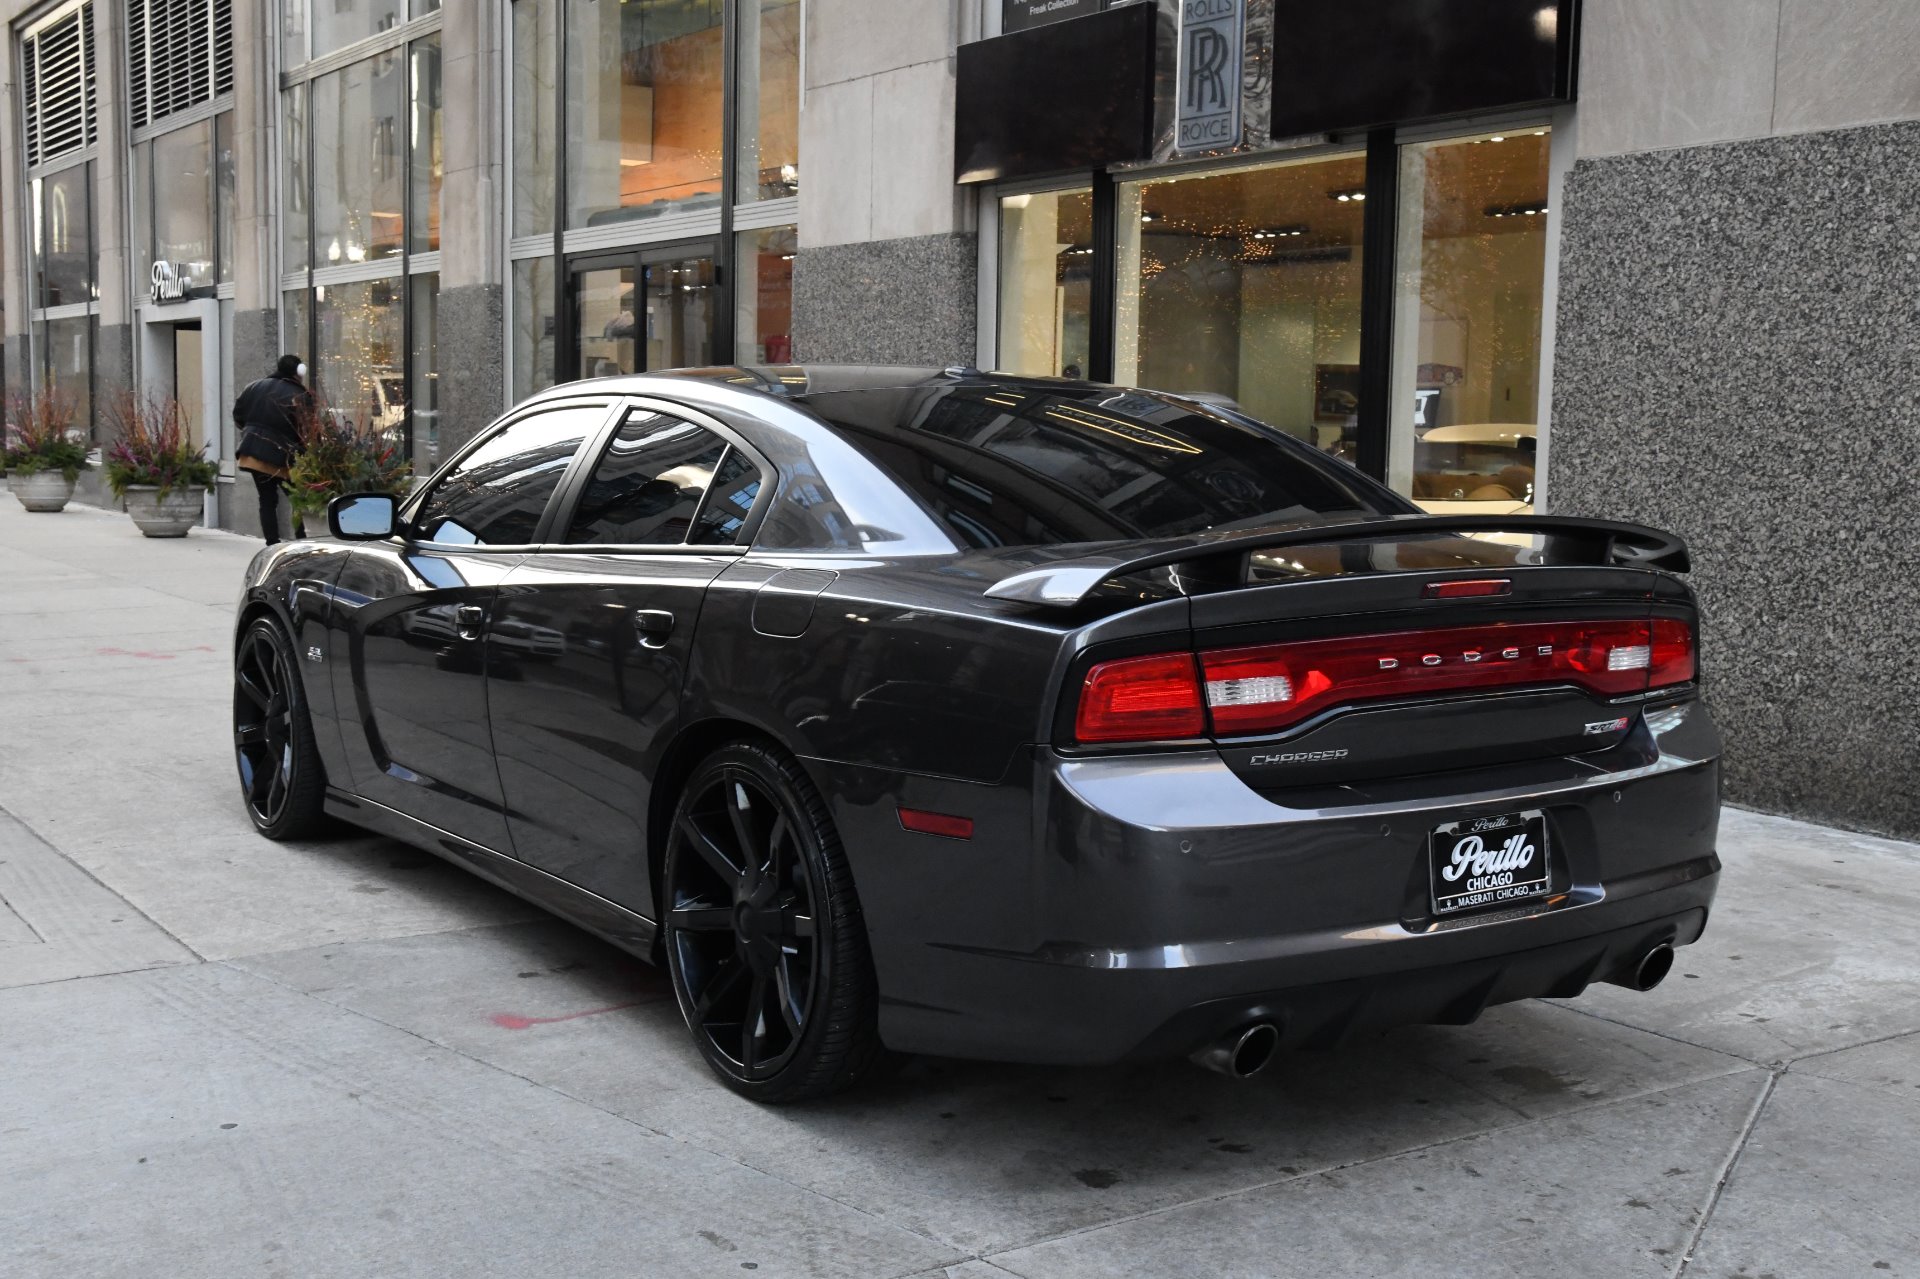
point(41, 491)
point(169, 516)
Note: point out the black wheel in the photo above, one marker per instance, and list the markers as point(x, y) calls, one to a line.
point(764, 940)
point(281, 778)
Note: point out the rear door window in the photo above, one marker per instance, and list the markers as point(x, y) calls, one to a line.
point(647, 488)
point(496, 495)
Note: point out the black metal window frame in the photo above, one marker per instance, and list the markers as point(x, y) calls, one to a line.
point(1379, 231)
point(566, 353)
point(299, 80)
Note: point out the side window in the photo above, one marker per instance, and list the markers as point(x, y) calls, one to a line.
point(647, 486)
point(735, 486)
point(495, 497)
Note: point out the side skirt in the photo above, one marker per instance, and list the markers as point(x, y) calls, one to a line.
point(629, 931)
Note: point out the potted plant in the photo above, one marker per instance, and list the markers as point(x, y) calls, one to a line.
point(340, 455)
point(154, 467)
point(43, 457)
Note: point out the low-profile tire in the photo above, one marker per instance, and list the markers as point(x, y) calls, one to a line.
point(764, 939)
point(282, 781)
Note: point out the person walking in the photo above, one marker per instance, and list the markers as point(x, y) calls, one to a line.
point(268, 415)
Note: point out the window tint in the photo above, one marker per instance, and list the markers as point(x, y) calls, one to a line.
point(1017, 465)
point(735, 486)
point(648, 483)
point(495, 497)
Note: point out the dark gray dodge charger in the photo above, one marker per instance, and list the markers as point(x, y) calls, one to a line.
point(921, 711)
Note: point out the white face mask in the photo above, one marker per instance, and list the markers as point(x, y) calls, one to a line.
point(301, 372)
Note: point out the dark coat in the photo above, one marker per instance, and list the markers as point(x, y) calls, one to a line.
point(268, 415)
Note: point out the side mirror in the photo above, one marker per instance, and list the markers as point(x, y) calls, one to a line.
point(364, 517)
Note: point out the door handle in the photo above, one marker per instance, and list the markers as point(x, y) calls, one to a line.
point(469, 620)
point(653, 626)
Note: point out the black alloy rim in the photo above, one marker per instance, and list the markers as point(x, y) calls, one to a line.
point(741, 924)
point(263, 726)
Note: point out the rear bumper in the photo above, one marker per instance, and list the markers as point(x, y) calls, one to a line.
point(1134, 907)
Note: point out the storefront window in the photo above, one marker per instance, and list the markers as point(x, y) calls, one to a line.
point(1470, 276)
point(183, 203)
point(293, 32)
point(338, 23)
point(359, 115)
point(763, 296)
point(644, 108)
point(533, 326)
point(1246, 284)
point(358, 349)
point(294, 339)
point(424, 393)
point(768, 153)
point(1046, 282)
point(535, 103)
point(424, 132)
point(62, 237)
point(294, 186)
point(69, 346)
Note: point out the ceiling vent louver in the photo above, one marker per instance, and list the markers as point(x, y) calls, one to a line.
point(179, 53)
point(57, 75)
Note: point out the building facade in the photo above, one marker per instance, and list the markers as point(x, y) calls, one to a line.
point(1624, 258)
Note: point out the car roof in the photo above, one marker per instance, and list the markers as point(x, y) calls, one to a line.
point(804, 381)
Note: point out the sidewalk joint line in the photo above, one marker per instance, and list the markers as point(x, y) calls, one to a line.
point(1685, 1262)
point(1674, 1039)
point(131, 905)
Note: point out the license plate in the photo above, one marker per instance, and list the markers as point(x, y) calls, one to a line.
point(1489, 861)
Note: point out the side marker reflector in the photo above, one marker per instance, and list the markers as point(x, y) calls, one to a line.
point(945, 825)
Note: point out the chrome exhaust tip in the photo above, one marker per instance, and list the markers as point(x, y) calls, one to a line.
point(1649, 971)
point(1241, 1053)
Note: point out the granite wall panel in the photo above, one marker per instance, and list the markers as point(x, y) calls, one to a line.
point(905, 301)
point(1738, 359)
point(256, 349)
point(473, 362)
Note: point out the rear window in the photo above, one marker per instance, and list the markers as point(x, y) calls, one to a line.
point(1023, 466)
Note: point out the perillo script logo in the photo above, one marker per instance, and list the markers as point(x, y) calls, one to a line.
point(1471, 856)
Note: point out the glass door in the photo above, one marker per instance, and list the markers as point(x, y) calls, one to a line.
point(642, 310)
point(606, 319)
point(188, 386)
point(679, 314)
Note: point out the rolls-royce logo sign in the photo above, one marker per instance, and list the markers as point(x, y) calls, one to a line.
point(166, 283)
point(1212, 60)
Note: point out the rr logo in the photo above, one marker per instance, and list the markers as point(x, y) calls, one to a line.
point(1206, 67)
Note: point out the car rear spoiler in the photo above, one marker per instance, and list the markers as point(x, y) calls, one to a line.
point(1219, 557)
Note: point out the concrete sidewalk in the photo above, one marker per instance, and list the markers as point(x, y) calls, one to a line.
point(222, 1056)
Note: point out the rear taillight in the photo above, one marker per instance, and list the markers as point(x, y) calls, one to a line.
point(1672, 657)
point(1141, 699)
point(1272, 687)
point(1275, 686)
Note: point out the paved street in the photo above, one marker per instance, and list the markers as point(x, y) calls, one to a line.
point(222, 1056)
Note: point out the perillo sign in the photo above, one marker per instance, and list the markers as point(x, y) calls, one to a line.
point(166, 283)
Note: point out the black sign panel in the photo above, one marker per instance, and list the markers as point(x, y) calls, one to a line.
point(1061, 97)
point(1019, 15)
point(1371, 62)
